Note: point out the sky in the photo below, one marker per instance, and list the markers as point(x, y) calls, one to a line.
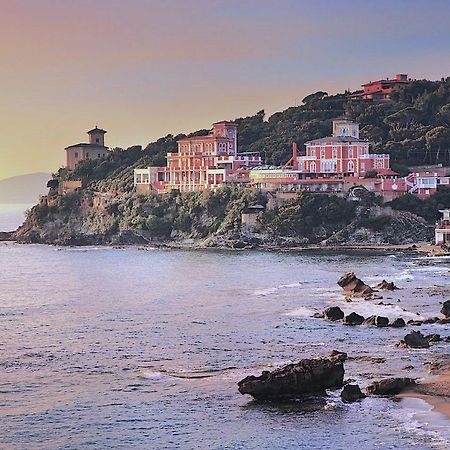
point(144, 68)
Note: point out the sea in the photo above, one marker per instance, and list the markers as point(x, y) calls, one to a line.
point(139, 347)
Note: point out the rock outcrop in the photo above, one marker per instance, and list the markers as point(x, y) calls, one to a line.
point(307, 377)
point(353, 319)
point(415, 339)
point(352, 393)
point(353, 286)
point(390, 386)
point(333, 313)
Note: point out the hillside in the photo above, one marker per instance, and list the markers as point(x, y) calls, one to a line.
point(23, 188)
point(414, 128)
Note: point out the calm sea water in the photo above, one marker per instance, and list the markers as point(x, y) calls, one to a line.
point(134, 348)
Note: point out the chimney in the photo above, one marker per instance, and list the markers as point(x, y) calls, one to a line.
point(294, 156)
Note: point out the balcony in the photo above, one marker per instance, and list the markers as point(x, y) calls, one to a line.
point(374, 156)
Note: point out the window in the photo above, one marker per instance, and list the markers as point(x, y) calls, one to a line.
point(334, 153)
point(350, 152)
point(98, 155)
point(87, 155)
point(322, 152)
point(350, 166)
point(312, 167)
point(76, 155)
point(97, 140)
point(312, 152)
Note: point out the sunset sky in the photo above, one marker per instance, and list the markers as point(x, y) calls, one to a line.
point(145, 68)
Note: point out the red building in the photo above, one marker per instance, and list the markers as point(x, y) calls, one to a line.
point(342, 154)
point(381, 90)
point(201, 163)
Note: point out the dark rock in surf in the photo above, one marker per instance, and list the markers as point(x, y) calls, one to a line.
point(415, 323)
point(398, 323)
point(352, 393)
point(386, 285)
point(378, 321)
point(353, 286)
point(445, 310)
point(415, 339)
point(340, 356)
point(353, 319)
point(307, 377)
point(390, 386)
point(433, 338)
point(333, 313)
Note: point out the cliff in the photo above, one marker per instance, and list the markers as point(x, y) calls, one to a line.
point(213, 219)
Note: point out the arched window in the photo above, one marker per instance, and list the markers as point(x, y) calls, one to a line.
point(312, 167)
point(351, 166)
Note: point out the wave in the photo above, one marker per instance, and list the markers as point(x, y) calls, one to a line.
point(272, 290)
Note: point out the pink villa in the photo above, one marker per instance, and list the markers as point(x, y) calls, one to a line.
point(201, 163)
point(342, 154)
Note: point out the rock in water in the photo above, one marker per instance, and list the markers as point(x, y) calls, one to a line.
point(307, 377)
point(415, 339)
point(390, 386)
point(340, 356)
point(398, 323)
point(433, 338)
point(352, 393)
point(446, 309)
point(354, 286)
point(378, 321)
point(333, 313)
point(387, 285)
point(353, 319)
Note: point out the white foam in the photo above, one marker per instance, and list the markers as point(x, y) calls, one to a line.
point(366, 308)
point(274, 289)
point(302, 311)
point(152, 375)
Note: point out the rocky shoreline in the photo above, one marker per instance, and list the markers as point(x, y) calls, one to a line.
point(313, 377)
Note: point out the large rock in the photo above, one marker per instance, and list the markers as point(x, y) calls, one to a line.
point(390, 386)
point(386, 285)
point(352, 393)
point(333, 313)
point(415, 339)
point(353, 319)
point(354, 286)
point(336, 354)
point(307, 377)
point(446, 309)
point(378, 321)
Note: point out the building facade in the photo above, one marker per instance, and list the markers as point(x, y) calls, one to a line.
point(342, 154)
point(201, 163)
point(442, 230)
point(94, 149)
point(381, 90)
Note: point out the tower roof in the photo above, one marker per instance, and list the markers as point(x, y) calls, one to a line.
point(96, 130)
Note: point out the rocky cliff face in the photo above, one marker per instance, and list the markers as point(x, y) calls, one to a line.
point(213, 220)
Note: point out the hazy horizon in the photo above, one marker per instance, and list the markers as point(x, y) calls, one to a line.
point(142, 70)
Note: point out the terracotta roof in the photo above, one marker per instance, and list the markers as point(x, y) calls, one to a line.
point(336, 139)
point(386, 172)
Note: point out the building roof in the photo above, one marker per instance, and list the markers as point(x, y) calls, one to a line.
point(203, 138)
point(225, 122)
point(336, 140)
point(387, 172)
point(96, 130)
point(85, 144)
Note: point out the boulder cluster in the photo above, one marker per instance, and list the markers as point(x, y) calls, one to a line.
point(311, 377)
